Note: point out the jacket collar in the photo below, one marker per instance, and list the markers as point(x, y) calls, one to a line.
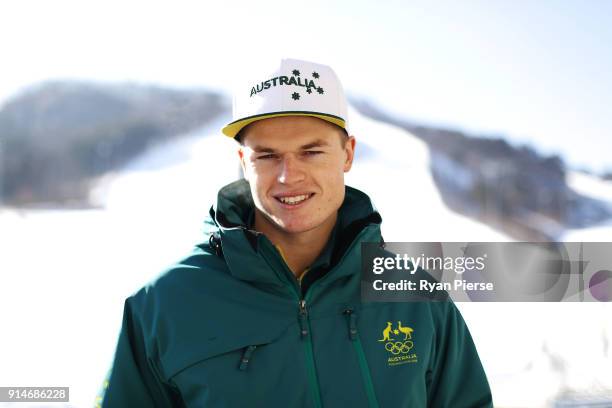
point(249, 254)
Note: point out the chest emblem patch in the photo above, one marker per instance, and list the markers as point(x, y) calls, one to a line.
point(399, 344)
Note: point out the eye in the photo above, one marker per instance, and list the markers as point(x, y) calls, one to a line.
point(312, 152)
point(267, 156)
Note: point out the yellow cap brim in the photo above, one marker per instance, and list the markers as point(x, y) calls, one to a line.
point(233, 128)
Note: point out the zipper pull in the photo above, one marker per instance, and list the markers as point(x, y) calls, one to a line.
point(303, 318)
point(352, 323)
point(246, 356)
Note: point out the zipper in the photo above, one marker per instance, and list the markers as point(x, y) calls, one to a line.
point(305, 330)
point(310, 363)
point(304, 324)
point(246, 357)
point(363, 362)
point(303, 316)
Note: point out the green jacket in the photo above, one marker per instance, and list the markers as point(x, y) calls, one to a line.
point(230, 326)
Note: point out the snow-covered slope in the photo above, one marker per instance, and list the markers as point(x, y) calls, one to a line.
point(64, 274)
point(592, 187)
point(392, 166)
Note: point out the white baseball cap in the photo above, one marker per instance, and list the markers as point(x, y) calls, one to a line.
point(293, 88)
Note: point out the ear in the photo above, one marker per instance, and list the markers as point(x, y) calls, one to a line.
point(349, 150)
point(242, 162)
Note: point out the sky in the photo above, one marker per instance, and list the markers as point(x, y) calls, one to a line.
point(536, 72)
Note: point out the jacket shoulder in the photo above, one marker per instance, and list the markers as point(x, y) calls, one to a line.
point(200, 270)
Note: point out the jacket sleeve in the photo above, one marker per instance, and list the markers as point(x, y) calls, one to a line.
point(134, 380)
point(455, 377)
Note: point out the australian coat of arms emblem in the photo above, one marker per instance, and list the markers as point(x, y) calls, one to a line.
point(399, 343)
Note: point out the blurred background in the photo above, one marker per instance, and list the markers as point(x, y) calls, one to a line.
point(479, 121)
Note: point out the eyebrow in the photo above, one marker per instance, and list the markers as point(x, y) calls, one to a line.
point(316, 143)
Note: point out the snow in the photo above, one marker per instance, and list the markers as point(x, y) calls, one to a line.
point(590, 186)
point(64, 274)
point(596, 188)
point(395, 173)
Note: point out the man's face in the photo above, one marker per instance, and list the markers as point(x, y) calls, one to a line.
point(295, 166)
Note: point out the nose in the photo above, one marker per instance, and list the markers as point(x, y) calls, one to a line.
point(291, 171)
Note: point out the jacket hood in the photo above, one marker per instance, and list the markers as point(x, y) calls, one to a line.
point(228, 225)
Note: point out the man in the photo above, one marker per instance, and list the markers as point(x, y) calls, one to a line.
point(267, 311)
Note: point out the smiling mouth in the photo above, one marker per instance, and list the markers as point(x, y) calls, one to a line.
point(294, 200)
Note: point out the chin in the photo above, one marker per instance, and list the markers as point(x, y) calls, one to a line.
point(295, 227)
